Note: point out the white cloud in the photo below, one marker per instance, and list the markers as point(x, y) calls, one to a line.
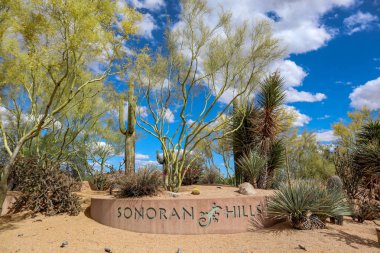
point(293, 95)
point(292, 73)
point(298, 24)
point(326, 116)
point(293, 76)
point(367, 95)
point(300, 119)
point(146, 26)
point(152, 5)
point(325, 136)
point(141, 163)
point(167, 115)
point(142, 111)
point(359, 22)
point(141, 156)
point(190, 121)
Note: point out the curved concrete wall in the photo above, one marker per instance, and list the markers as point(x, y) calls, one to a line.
point(179, 216)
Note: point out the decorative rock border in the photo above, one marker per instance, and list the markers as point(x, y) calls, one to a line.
point(180, 216)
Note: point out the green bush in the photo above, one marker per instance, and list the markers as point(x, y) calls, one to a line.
point(304, 202)
point(145, 182)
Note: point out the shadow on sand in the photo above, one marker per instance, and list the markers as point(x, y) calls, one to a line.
point(350, 239)
point(7, 222)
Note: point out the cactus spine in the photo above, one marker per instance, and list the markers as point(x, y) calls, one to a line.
point(129, 132)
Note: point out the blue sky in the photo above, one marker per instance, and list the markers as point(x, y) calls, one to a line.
point(333, 60)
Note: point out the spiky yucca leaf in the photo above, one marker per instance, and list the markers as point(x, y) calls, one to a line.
point(251, 164)
point(305, 197)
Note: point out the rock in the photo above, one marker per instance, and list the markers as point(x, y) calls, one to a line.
point(173, 194)
point(108, 250)
point(64, 244)
point(302, 247)
point(219, 187)
point(179, 250)
point(246, 189)
point(115, 191)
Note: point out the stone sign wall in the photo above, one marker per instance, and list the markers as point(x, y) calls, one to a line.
point(179, 216)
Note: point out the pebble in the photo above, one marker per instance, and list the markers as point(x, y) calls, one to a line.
point(64, 244)
point(108, 250)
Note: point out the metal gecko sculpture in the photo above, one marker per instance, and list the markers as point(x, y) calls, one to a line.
point(206, 217)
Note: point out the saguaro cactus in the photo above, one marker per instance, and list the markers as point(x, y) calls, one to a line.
point(161, 160)
point(129, 132)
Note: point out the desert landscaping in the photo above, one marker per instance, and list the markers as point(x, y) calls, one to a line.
point(22, 233)
point(189, 126)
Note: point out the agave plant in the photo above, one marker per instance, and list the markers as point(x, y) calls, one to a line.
point(252, 165)
point(303, 202)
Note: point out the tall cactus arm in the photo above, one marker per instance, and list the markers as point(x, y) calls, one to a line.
point(122, 128)
point(131, 109)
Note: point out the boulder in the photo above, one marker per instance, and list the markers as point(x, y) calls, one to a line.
point(246, 189)
point(172, 194)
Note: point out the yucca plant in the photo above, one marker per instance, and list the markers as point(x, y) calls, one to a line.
point(367, 150)
point(252, 165)
point(303, 202)
point(243, 140)
point(270, 100)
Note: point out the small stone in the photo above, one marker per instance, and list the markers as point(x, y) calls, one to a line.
point(219, 187)
point(246, 189)
point(302, 247)
point(108, 250)
point(64, 244)
point(179, 250)
point(20, 235)
point(172, 194)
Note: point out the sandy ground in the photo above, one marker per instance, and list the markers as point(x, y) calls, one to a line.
point(21, 233)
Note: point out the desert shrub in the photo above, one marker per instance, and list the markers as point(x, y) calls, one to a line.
point(359, 168)
point(210, 176)
point(145, 182)
point(192, 175)
point(45, 188)
point(106, 181)
point(306, 204)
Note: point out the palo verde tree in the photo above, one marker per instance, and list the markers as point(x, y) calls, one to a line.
point(189, 89)
point(53, 53)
